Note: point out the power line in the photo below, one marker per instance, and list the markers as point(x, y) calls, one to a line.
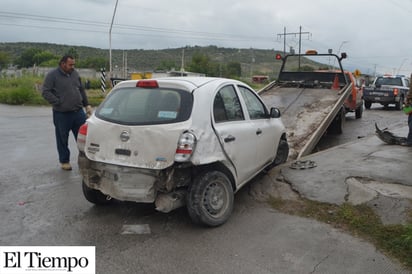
point(101, 27)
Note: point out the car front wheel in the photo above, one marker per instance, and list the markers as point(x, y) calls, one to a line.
point(210, 198)
point(95, 196)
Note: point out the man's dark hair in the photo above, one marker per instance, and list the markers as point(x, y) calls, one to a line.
point(64, 58)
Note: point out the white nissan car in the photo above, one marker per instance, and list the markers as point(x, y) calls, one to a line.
point(190, 141)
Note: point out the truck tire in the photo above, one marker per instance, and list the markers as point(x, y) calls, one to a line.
point(398, 105)
point(210, 198)
point(95, 196)
point(368, 104)
point(359, 111)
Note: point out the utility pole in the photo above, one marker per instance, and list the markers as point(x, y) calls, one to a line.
point(293, 33)
point(110, 41)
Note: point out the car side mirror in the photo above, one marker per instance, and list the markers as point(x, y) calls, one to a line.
point(274, 113)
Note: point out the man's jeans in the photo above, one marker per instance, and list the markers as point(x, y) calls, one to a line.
point(64, 122)
point(409, 139)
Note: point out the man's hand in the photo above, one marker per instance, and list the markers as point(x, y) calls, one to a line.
point(89, 111)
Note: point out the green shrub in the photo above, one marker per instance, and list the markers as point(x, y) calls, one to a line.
point(19, 91)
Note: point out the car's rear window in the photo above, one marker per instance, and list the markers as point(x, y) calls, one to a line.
point(389, 81)
point(142, 106)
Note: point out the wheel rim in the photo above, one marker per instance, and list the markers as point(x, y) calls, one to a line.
point(215, 199)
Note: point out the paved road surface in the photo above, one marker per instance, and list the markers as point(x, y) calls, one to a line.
point(43, 205)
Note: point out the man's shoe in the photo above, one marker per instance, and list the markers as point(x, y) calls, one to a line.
point(66, 166)
point(405, 143)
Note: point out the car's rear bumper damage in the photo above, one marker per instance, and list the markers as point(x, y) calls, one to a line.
point(139, 185)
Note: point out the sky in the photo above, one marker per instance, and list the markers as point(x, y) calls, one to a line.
point(376, 35)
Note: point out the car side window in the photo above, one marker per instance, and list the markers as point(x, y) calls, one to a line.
point(255, 107)
point(226, 105)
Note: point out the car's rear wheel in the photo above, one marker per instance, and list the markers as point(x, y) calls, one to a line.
point(95, 196)
point(368, 104)
point(210, 198)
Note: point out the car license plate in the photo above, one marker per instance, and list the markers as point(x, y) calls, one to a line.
point(377, 98)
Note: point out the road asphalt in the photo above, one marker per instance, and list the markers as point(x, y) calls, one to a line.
point(43, 205)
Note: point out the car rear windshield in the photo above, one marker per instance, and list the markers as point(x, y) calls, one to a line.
point(389, 81)
point(143, 106)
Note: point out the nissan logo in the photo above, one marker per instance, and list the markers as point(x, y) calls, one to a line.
point(124, 136)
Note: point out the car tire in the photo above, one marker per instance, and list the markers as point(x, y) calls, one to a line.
point(210, 198)
point(368, 104)
point(359, 111)
point(95, 196)
point(282, 153)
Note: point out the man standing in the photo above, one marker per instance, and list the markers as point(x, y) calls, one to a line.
point(63, 89)
point(408, 110)
point(408, 103)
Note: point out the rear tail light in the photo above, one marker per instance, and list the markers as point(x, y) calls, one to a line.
point(185, 147)
point(81, 137)
point(395, 91)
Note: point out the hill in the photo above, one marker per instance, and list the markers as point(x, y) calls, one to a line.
point(253, 61)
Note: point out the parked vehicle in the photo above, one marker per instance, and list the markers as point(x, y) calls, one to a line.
point(311, 100)
point(386, 90)
point(176, 141)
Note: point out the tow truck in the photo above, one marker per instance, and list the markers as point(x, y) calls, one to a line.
point(310, 98)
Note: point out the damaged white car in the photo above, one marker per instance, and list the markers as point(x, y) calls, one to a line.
point(190, 141)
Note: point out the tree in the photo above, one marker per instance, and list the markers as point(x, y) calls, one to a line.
point(200, 63)
point(27, 58)
point(92, 62)
point(34, 56)
point(44, 57)
point(233, 69)
point(166, 65)
point(4, 59)
point(73, 52)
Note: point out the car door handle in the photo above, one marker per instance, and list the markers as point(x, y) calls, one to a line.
point(258, 131)
point(229, 138)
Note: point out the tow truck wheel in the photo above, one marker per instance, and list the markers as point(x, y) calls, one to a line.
point(336, 127)
point(95, 196)
point(210, 198)
point(359, 111)
point(368, 104)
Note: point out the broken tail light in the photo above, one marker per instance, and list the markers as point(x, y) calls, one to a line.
point(185, 147)
point(81, 137)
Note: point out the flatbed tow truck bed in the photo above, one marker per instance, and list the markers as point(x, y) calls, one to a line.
point(310, 103)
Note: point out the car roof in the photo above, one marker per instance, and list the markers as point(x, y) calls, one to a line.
point(188, 83)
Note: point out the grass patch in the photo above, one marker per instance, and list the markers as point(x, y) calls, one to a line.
point(26, 90)
point(21, 91)
point(359, 220)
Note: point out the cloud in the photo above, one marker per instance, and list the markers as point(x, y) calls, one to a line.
point(377, 32)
